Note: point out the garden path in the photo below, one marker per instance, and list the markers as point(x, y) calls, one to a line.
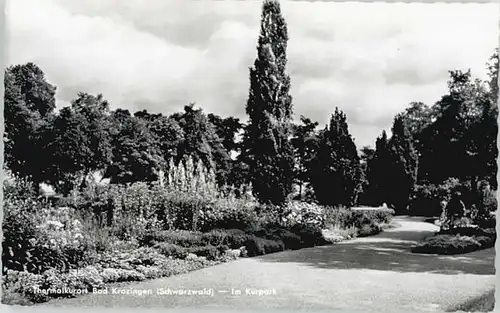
point(377, 273)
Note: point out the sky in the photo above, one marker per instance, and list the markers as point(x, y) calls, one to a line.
point(369, 59)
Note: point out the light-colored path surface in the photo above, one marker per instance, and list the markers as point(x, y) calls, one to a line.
point(376, 273)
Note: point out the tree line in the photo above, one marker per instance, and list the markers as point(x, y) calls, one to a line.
point(282, 158)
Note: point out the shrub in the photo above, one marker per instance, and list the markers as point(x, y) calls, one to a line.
point(338, 217)
point(361, 218)
point(381, 216)
point(11, 297)
point(229, 213)
point(134, 211)
point(210, 252)
point(345, 218)
point(16, 188)
point(236, 238)
point(271, 246)
point(487, 200)
point(290, 240)
point(310, 235)
point(271, 214)
point(297, 212)
point(192, 200)
point(38, 237)
point(450, 244)
point(470, 231)
point(425, 199)
point(487, 222)
point(170, 249)
point(258, 246)
point(112, 275)
point(337, 234)
point(369, 230)
point(24, 283)
point(150, 272)
point(215, 237)
point(182, 238)
point(480, 199)
point(182, 209)
point(125, 211)
point(485, 241)
point(194, 211)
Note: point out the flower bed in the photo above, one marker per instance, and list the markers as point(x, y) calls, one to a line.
point(124, 266)
point(132, 233)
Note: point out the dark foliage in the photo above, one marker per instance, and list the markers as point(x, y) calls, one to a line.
point(336, 169)
point(266, 146)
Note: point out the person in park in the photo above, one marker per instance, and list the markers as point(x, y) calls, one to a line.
point(455, 209)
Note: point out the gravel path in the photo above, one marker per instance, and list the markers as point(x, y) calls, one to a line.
point(376, 273)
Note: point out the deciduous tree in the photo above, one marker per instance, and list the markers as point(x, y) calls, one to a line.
point(81, 142)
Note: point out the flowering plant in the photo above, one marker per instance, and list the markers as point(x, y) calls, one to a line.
point(296, 212)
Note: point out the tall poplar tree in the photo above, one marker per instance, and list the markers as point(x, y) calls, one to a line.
point(267, 149)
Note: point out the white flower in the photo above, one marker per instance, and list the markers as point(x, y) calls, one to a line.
point(56, 224)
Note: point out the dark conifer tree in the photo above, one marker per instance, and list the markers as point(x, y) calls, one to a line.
point(377, 172)
point(336, 172)
point(303, 141)
point(402, 169)
point(267, 149)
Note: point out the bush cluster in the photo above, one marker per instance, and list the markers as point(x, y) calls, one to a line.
point(366, 222)
point(457, 241)
point(301, 213)
point(38, 237)
point(214, 243)
point(479, 200)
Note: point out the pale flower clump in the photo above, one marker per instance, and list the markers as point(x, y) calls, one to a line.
point(61, 228)
point(303, 213)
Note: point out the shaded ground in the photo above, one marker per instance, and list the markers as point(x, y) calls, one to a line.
point(484, 303)
point(376, 273)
